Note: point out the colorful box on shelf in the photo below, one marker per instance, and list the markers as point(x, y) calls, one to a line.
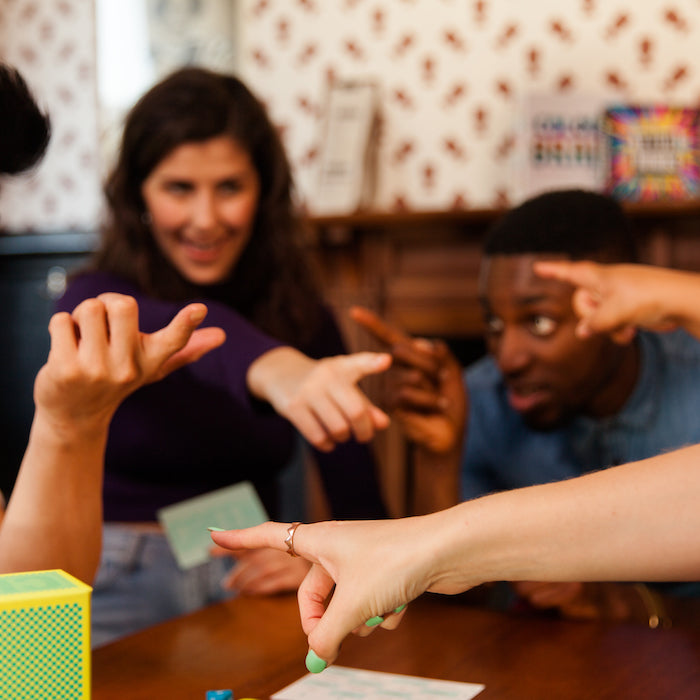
point(653, 152)
point(44, 636)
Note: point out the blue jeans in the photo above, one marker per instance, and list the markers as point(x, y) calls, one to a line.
point(140, 584)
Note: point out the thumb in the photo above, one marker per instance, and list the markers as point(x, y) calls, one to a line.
point(360, 364)
point(200, 343)
point(175, 335)
point(179, 344)
point(340, 618)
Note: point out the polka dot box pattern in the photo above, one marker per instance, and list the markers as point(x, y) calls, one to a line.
point(44, 636)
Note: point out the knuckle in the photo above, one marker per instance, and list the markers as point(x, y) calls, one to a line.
point(324, 369)
point(291, 406)
point(123, 303)
point(322, 648)
point(339, 434)
point(66, 374)
point(356, 413)
point(127, 374)
point(316, 434)
point(57, 320)
point(72, 375)
point(95, 373)
point(90, 306)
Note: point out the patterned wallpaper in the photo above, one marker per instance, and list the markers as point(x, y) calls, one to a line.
point(52, 43)
point(450, 76)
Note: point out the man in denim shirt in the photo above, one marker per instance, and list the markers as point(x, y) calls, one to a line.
point(546, 405)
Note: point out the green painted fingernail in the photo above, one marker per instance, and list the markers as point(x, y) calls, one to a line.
point(216, 529)
point(374, 621)
point(315, 663)
point(400, 608)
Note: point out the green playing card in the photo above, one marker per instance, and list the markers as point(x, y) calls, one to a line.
point(186, 523)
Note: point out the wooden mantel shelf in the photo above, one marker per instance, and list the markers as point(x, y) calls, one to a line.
point(374, 219)
point(665, 209)
point(380, 218)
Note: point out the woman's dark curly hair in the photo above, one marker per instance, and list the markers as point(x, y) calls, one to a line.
point(271, 285)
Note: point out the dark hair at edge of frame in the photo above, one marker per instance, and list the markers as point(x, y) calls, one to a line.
point(273, 284)
point(24, 129)
point(577, 223)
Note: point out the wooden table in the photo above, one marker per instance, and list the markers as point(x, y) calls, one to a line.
point(256, 647)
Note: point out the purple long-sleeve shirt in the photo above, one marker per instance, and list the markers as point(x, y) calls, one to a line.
point(199, 429)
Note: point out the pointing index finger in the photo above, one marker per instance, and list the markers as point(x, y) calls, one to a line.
point(575, 273)
point(270, 534)
point(380, 329)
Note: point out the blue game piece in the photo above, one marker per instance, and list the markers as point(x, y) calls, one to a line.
point(219, 695)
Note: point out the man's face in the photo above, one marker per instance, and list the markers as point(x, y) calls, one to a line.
point(550, 374)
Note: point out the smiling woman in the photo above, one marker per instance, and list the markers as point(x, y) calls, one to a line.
point(200, 208)
point(202, 200)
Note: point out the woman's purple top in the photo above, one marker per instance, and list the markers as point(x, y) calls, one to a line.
point(199, 429)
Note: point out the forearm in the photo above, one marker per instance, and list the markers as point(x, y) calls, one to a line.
point(436, 479)
point(681, 294)
point(640, 521)
point(54, 518)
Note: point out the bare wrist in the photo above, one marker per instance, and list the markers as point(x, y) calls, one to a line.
point(266, 374)
point(70, 433)
point(458, 563)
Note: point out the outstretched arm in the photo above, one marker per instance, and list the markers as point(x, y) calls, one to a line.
point(97, 358)
point(320, 397)
point(616, 298)
point(639, 521)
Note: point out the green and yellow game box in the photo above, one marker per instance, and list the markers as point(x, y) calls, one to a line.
point(44, 636)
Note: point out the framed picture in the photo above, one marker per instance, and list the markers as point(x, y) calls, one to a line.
point(347, 163)
point(559, 143)
point(653, 152)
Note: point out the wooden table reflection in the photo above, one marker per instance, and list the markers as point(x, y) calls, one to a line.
point(256, 647)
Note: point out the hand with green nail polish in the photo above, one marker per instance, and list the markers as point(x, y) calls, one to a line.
point(374, 621)
point(314, 663)
point(618, 524)
point(359, 604)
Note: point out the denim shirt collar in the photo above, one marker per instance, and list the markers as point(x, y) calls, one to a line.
point(640, 407)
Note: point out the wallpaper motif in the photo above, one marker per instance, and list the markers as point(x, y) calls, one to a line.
point(451, 74)
point(52, 43)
